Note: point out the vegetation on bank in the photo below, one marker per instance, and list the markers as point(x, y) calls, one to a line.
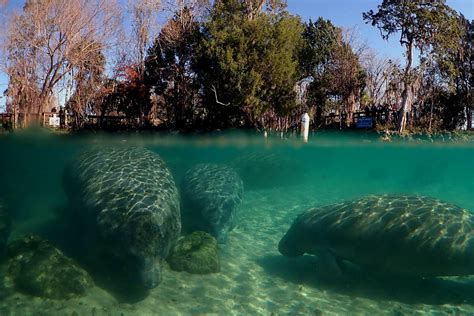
point(237, 63)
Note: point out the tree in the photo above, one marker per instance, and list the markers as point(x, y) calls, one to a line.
point(346, 77)
point(144, 19)
point(88, 91)
point(320, 38)
point(248, 68)
point(49, 42)
point(425, 25)
point(336, 74)
point(168, 69)
point(376, 70)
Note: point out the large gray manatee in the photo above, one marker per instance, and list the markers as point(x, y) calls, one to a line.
point(129, 197)
point(389, 235)
point(211, 195)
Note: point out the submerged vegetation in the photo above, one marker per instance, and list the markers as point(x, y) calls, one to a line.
point(236, 63)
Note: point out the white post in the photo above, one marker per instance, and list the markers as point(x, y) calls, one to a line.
point(305, 127)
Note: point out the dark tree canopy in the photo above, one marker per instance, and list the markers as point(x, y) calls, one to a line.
point(169, 74)
point(320, 38)
point(248, 67)
point(238, 63)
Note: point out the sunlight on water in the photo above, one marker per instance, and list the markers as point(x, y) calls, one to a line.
point(282, 177)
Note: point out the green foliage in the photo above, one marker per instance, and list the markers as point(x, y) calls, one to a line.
point(168, 71)
point(431, 26)
point(248, 68)
point(248, 63)
point(338, 78)
point(320, 38)
point(423, 23)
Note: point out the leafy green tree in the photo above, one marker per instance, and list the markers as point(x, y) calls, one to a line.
point(346, 78)
point(320, 38)
point(425, 25)
point(452, 74)
point(168, 71)
point(248, 67)
point(337, 76)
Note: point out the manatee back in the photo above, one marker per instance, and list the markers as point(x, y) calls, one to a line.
point(120, 187)
point(212, 194)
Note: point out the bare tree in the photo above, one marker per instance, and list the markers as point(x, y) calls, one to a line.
point(393, 84)
point(185, 14)
point(144, 15)
point(49, 41)
point(376, 70)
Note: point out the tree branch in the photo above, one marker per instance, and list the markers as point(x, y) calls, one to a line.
point(217, 100)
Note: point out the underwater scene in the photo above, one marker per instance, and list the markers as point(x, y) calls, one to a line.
point(235, 224)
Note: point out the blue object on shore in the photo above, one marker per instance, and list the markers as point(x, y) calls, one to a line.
point(365, 122)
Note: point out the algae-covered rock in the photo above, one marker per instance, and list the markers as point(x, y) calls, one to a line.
point(196, 253)
point(5, 228)
point(37, 268)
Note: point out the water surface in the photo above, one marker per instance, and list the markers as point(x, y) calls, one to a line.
point(282, 177)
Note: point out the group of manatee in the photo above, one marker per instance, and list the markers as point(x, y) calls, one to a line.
point(132, 209)
point(129, 203)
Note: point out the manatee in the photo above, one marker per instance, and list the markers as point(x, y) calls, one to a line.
point(211, 195)
point(263, 170)
point(129, 203)
point(390, 235)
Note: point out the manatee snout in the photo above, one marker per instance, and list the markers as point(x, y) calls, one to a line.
point(289, 246)
point(146, 249)
point(221, 235)
point(151, 273)
point(224, 221)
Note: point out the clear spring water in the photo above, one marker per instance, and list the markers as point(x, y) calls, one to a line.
point(282, 177)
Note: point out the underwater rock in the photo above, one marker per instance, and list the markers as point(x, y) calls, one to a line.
point(195, 253)
point(211, 196)
point(37, 268)
point(388, 235)
point(5, 228)
point(129, 206)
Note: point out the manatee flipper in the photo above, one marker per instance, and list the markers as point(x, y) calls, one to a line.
point(341, 265)
point(329, 265)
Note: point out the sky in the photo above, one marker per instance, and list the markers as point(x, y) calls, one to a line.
point(348, 14)
point(342, 13)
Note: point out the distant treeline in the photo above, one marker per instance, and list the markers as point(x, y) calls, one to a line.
point(236, 63)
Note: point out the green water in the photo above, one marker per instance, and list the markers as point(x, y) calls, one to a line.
point(282, 177)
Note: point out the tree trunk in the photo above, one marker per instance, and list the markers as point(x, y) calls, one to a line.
point(406, 98)
point(351, 102)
